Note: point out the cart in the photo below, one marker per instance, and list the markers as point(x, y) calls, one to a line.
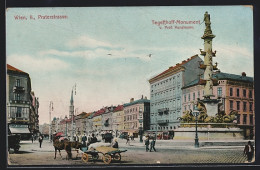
point(107, 155)
point(14, 142)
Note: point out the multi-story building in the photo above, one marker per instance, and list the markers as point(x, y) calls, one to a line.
point(166, 93)
point(34, 114)
point(118, 119)
point(107, 118)
point(97, 120)
point(80, 123)
point(235, 92)
point(89, 123)
point(18, 100)
point(136, 116)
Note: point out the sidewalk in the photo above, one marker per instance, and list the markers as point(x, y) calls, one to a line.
point(189, 144)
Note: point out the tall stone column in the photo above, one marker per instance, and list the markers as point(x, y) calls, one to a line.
point(208, 81)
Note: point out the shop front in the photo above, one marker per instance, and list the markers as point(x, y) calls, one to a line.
point(20, 129)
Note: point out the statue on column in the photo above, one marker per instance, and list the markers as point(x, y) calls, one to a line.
point(207, 24)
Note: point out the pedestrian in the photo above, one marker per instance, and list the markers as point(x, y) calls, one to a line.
point(127, 140)
point(40, 140)
point(80, 138)
point(32, 138)
point(115, 145)
point(89, 139)
point(77, 138)
point(152, 145)
point(249, 151)
point(147, 142)
point(84, 139)
point(93, 139)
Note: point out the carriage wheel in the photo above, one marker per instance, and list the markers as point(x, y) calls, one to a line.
point(117, 157)
point(95, 156)
point(84, 157)
point(16, 149)
point(107, 158)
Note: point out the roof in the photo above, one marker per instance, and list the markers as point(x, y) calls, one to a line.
point(178, 65)
point(11, 68)
point(99, 112)
point(85, 115)
point(136, 102)
point(119, 108)
point(224, 76)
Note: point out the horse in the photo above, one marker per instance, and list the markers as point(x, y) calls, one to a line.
point(66, 145)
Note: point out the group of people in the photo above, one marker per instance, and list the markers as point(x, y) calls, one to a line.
point(152, 144)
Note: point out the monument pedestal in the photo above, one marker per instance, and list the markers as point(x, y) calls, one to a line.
point(211, 106)
point(208, 132)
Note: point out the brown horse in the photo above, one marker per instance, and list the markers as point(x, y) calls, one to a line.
point(66, 145)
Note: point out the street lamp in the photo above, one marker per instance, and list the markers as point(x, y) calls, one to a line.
point(196, 113)
point(141, 134)
point(66, 125)
point(50, 109)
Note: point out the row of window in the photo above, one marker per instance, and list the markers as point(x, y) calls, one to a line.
point(165, 102)
point(163, 127)
point(193, 96)
point(130, 117)
point(244, 91)
point(245, 119)
point(132, 110)
point(130, 125)
point(238, 104)
point(19, 112)
point(169, 80)
point(166, 92)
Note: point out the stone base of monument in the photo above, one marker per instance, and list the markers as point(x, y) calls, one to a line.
point(211, 106)
point(209, 133)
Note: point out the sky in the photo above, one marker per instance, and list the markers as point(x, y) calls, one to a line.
point(105, 50)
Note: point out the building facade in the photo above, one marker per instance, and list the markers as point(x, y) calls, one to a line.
point(166, 93)
point(22, 110)
point(117, 119)
point(235, 92)
point(107, 118)
point(136, 116)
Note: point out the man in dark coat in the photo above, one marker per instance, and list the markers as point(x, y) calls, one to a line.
point(147, 142)
point(40, 140)
point(249, 151)
point(152, 145)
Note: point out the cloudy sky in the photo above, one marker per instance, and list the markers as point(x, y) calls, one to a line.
point(59, 53)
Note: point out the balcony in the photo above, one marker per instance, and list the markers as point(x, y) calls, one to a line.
point(164, 110)
point(18, 119)
point(18, 89)
point(162, 121)
point(19, 102)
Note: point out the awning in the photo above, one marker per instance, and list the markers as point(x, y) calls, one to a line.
point(19, 130)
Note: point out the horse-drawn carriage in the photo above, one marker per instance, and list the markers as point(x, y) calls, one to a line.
point(108, 153)
point(14, 142)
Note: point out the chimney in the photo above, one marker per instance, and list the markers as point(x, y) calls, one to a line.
point(142, 96)
point(145, 97)
point(243, 74)
point(131, 100)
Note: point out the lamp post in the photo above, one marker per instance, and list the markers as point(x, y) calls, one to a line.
point(66, 126)
point(50, 109)
point(141, 134)
point(196, 113)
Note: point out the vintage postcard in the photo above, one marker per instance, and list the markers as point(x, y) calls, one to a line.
point(124, 86)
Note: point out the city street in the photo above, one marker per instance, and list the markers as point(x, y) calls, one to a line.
point(168, 152)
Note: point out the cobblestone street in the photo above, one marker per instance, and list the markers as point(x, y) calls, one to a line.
point(31, 154)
